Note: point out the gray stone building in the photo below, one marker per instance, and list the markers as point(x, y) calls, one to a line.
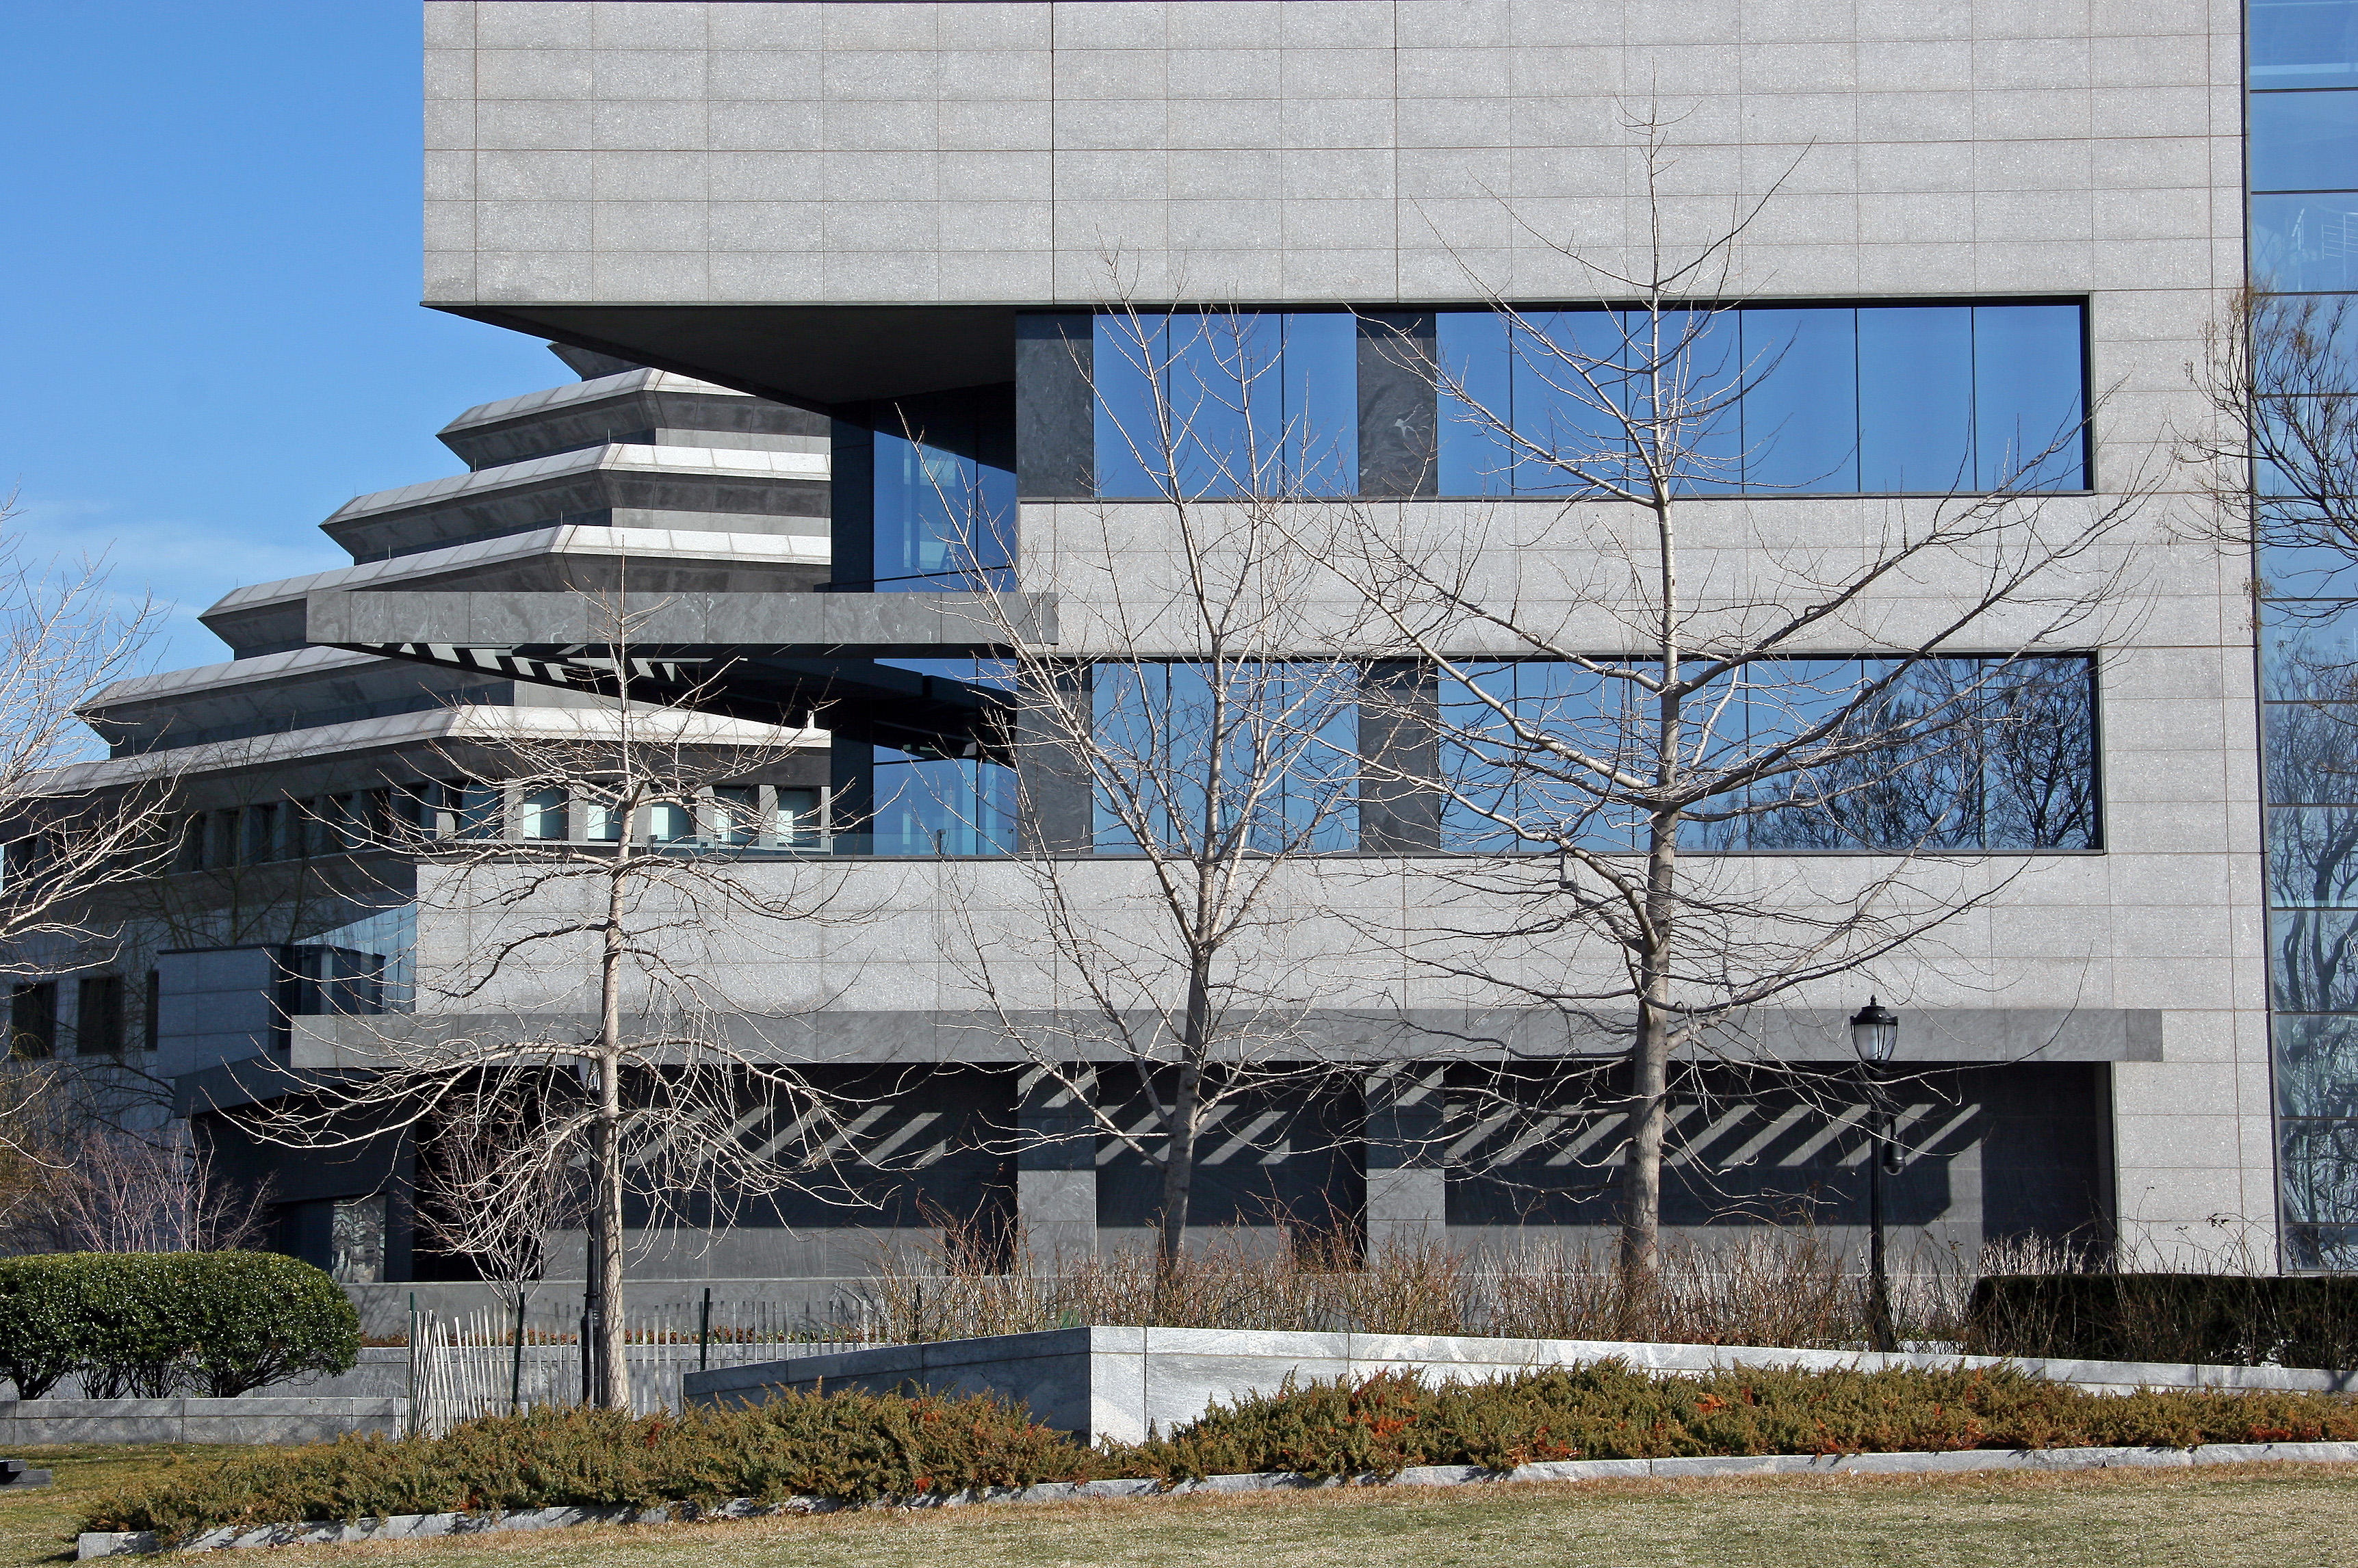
point(833, 275)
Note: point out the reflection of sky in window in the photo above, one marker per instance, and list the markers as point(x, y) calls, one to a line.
point(1841, 399)
point(2303, 43)
point(945, 513)
point(1218, 404)
point(942, 806)
point(2303, 141)
point(2308, 141)
point(2308, 649)
point(1286, 737)
point(2305, 242)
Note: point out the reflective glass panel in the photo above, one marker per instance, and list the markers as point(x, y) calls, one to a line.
point(1524, 746)
point(482, 811)
point(2310, 753)
point(2028, 410)
point(1800, 413)
point(1197, 759)
point(1570, 372)
point(945, 494)
point(1844, 754)
point(2312, 857)
point(2308, 650)
point(2313, 959)
point(1477, 457)
point(942, 806)
point(798, 821)
point(669, 820)
point(1699, 361)
point(2039, 754)
point(2297, 571)
point(736, 813)
point(1226, 392)
point(1126, 356)
point(1213, 404)
point(1322, 403)
point(1915, 398)
point(2305, 244)
point(2303, 141)
point(2303, 43)
point(541, 814)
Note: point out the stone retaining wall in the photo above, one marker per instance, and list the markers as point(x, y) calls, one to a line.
point(1116, 1382)
point(250, 1419)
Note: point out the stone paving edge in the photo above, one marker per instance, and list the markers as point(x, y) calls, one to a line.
point(421, 1527)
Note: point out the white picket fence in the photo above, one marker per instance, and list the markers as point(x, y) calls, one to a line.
point(468, 1365)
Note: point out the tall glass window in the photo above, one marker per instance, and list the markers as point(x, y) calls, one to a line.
point(1201, 759)
point(2302, 167)
point(1977, 754)
point(941, 806)
point(944, 490)
point(1771, 400)
point(1210, 405)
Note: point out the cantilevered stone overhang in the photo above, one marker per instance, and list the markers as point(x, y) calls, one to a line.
point(786, 659)
point(1819, 1039)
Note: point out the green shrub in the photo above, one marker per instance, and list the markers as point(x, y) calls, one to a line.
point(1604, 1410)
point(852, 1445)
point(148, 1325)
point(2293, 1321)
point(861, 1446)
point(41, 1337)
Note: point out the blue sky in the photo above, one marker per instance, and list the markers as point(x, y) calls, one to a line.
point(210, 334)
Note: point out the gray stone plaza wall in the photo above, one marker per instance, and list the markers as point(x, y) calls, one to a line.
point(251, 1417)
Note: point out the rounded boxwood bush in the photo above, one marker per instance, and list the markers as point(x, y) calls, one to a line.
point(151, 1324)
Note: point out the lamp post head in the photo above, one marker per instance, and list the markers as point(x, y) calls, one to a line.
point(1875, 1033)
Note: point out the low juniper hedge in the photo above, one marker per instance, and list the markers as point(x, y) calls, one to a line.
point(861, 1448)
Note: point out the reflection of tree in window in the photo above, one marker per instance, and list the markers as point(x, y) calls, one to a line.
point(1259, 754)
point(945, 492)
point(1953, 754)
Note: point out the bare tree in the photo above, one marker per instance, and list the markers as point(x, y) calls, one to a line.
point(1176, 786)
point(65, 635)
point(1659, 664)
point(608, 874)
point(2278, 454)
point(110, 1191)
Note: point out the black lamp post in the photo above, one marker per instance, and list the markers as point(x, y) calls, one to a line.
point(1875, 1035)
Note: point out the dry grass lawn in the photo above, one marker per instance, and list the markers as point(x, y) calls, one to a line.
point(2265, 1516)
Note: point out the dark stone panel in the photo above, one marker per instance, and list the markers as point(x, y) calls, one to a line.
point(1407, 1109)
point(2014, 1150)
point(1055, 416)
point(815, 356)
point(933, 1159)
point(1400, 734)
point(851, 476)
point(1398, 411)
point(1058, 805)
point(1302, 1168)
point(1055, 1130)
point(851, 783)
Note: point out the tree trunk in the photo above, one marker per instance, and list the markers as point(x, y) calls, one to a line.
point(612, 1375)
point(1649, 1065)
point(1179, 1148)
